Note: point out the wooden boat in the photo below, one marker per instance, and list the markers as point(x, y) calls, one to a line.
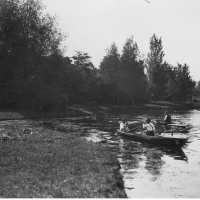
point(175, 126)
point(163, 139)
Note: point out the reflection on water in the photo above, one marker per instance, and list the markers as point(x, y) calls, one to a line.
point(162, 171)
point(154, 162)
point(177, 153)
point(143, 160)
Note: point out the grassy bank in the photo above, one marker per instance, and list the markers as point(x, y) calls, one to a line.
point(172, 105)
point(162, 105)
point(165, 105)
point(37, 162)
point(81, 110)
point(72, 111)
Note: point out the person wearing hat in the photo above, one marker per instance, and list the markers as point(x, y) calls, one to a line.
point(167, 118)
point(123, 125)
point(149, 127)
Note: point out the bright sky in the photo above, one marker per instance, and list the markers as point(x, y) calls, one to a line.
point(93, 25)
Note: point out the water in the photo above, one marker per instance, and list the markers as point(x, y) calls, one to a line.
point(159, 172)
point(155, 172)
point(151, 171)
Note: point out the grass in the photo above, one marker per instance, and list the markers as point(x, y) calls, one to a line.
point(52, 164)
point(22, 114)
point(175, 104)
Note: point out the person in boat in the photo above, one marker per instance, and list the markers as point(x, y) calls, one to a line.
point(149, 127)
point(123, 125)
point(167, 118)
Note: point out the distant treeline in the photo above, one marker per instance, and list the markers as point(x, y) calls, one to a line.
point(35, 74)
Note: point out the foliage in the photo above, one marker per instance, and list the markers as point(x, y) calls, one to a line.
point(35, 74)
point(171, 87)
point(196, 90)
point(110, 65)
point(110, 73)
point(132, 72)
point(184, 84)
point(180, 84)
point(82, 74)
point(156, 69)
point(27, 38)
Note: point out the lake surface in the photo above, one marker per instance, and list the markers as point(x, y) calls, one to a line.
point(149, 171)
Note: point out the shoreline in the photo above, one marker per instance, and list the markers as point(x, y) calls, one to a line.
point(45, 137)
point(85, 110)
point(43, 162)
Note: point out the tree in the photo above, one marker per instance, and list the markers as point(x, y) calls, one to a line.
point(171, 87)
point(132, 72)
point(82, 71)
point(156, 70)
point(198, 86)
point(27, 38)
point(110, 72)
point(184, 82)
point(196, 91)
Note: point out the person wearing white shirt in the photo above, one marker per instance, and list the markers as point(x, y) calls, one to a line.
point(123, 125)
point(149, 127)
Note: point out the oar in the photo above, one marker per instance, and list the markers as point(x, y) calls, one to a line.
point(134, 128)
point(161, 119)
point(137, 119)
point(114, 137)
point(129, 131)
